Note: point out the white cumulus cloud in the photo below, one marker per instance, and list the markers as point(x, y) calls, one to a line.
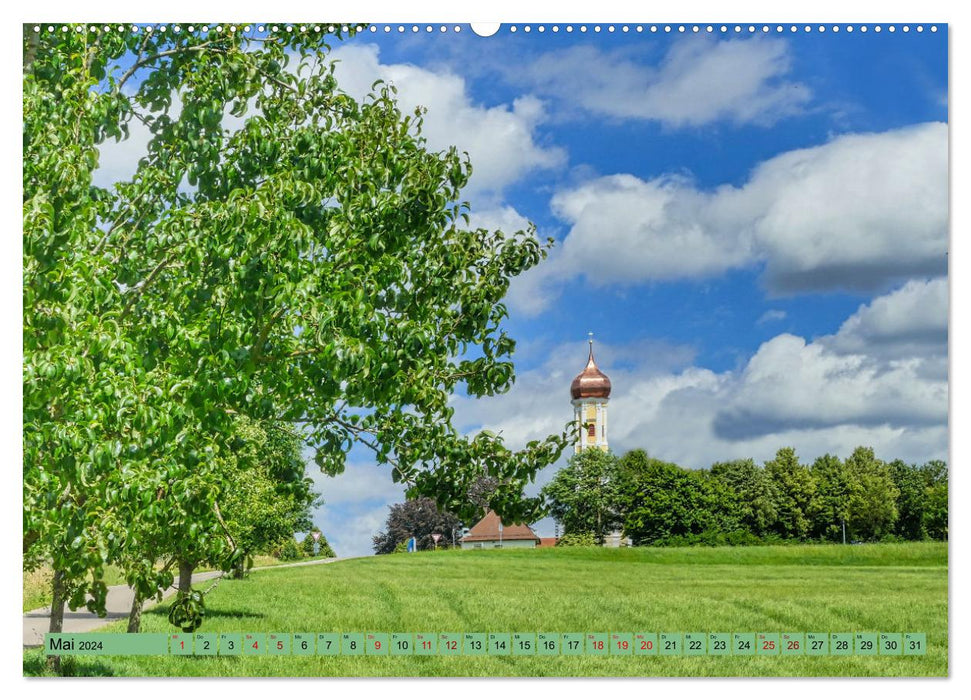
point(791, 383)
point(698, 81)
point(818, 395)
point(500, 139)
point(910, 320)
point(861, 212)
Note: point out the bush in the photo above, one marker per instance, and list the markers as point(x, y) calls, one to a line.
point(401, 548)
point(717, 538)
point(289, 551)
point(577, 539)
point(892, 538)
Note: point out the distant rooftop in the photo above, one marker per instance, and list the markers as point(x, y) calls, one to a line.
point(487, 529)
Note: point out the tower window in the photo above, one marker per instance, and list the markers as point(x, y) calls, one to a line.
point(591, 431)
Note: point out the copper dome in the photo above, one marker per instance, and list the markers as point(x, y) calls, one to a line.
point(591, 382)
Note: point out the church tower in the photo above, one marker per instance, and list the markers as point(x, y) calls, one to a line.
point(590, 391)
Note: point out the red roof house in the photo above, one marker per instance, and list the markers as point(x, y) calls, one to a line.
point(490, 533)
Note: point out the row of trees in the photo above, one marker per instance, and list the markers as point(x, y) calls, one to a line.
point(283, 255)
point(267, 496)
point(860, 498)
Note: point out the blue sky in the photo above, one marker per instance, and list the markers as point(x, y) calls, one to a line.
point(753, 226)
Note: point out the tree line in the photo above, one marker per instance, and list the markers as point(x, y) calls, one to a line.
point(860, 498)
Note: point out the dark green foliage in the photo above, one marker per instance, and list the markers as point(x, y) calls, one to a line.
point(754, 496)
point(935, 509)
point(289, 551)
point(660, 500)
point(419, 518)
point(582, 496)
point(833, 488)
point(912, 501)
point(740, 503)
point(795, 492)
point(873, 496)
point(188, 610)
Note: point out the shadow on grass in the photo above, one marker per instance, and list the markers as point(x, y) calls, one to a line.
point(71, 667)
point(237, 614)
point(76, 615)
point(211, 612)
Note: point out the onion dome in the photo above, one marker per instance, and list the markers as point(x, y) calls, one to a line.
point(591, 382)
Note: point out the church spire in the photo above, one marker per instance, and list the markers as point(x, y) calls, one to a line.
point(590, 391)
point(591, 382)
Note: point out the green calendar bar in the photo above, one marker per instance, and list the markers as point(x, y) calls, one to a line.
point(695, 644)
point(548, 644)
point(402, 643)
point(621, 644)
point(378, 644)
point(352, 644)
point(571, 644)
point(475, 644)
point(891, 644)
point(766, 644)
point(303, 644)
point(450, 644)
point(180, 644)
point(230, 644)
point(523, 643)
point(500, 644)
point(670, 643)
point(597, 644)
point(254, 644)
point(915, 643)
point(278, 644)
point(106, 644)
point(793, 643)
point(328, 644)
point(817, 643)
point(719, 644)
point(645, 644)
point(205, 644)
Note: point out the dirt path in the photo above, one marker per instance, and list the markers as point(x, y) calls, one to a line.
point(118, 605)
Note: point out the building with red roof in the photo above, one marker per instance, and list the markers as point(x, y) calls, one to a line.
point(490, 533)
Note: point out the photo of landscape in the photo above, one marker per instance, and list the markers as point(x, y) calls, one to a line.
point(450, 350)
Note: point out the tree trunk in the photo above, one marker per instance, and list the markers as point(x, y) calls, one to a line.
point(239, 568)
point(58, 600)
point(135, 616)
point(185, 576)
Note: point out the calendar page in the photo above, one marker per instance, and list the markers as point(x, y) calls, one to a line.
point(436, 349)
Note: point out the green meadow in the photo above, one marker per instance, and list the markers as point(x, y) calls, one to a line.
point(804, 588)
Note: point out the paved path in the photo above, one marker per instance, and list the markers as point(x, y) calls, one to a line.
point(118, 606)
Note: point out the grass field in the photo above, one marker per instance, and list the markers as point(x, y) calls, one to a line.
point(874, 588)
